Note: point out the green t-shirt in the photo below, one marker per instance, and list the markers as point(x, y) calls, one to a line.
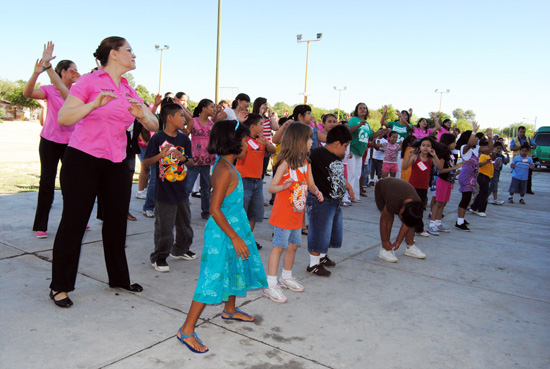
point(401, 129)
point(359, 138)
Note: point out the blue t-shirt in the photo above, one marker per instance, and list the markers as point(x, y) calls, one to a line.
point(171, 183)
point(521, 167)
point(502, 161)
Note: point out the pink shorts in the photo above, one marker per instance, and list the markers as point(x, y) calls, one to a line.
point(390, 167)
point(443, 190)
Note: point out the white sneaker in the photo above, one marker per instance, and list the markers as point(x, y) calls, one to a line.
point(443, 228)
point(424, 234)
point(291, 283)
point(481, 214)
point(161, 266)
point(414, 252)
point(387, 255)
point(141, 194)
point(149, 213)
point(472, 210)
point(433, 230)
point(275, 293)
point(500, 202)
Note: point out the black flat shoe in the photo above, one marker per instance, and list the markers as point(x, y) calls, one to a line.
point(64, 303)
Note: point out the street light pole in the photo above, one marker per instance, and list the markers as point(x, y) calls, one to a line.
point(157, 47)
point(339, 96)
point(441, 98)
point(218, 52)
point(535, 121)
point(299, 39)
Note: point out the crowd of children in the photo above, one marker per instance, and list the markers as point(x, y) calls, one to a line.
point(316, 171)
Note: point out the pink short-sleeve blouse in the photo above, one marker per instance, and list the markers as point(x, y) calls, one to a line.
point(102, 133)
point(52, 131)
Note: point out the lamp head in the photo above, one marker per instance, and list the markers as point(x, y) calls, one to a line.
point(299, 37)
point(319, 35)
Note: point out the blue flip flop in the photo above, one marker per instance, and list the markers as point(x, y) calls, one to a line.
point(182, 336)
point(230, 316)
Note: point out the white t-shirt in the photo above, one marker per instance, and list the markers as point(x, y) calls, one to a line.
point(379, 154)
point(230, 113)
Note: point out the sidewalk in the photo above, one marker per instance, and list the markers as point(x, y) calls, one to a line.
point(479, 300)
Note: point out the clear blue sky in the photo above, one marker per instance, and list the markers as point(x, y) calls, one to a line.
point(492, 55)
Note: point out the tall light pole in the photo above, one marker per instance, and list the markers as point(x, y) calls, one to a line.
point(441, 98)
point(339, 96)
point(535, 121)
point(218, 52)
point(299, 39)
point(157, 47)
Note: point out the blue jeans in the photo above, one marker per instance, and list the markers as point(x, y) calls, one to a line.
point(253, 199)
point(150, 199)
point(204, 172)
point(325, 224)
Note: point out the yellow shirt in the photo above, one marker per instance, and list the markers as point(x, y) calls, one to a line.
point(488, 168)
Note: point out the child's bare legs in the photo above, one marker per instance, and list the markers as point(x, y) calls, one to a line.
point(273, 261)
point(437, 210)
point(230, 309)
point(409, 237)
point(189, 326)
point(432, 204)
point(252, 225)
point(385, 174)
point(495, 196)
point(288, 259)
point(143, 178)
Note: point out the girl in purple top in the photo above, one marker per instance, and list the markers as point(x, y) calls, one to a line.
point(101, 106)
point(200, 127)
point(53, 138)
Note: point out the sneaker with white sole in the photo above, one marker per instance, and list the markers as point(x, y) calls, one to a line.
point(291, 283)
point(462, 227)
point(480, 214)
point(161, 266)
point(443, 228)
point(189, 255)
point(387, 255)
point(522, 201)
point(500, 202)
point(149, 213)
point(414, 252)
point(142, 195)
point(423, 234)
point(275, 293)
point(319, 270)
point(433, 230)
point(472, 210)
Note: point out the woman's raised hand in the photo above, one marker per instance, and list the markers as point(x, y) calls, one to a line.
point(47, 54)
point(38, 66)
point(475, 126)
point(103, 98)
point(136, 108)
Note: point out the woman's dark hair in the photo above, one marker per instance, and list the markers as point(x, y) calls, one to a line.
point(63, 65)
point(225, 139)
point(258, 104)
point(202, 104)
point(240, 96)
point(447, 121)
point(412, 214)
point(104, 49)
point(179, 95)
point(252, 119)
point(282, 121)
point(325, 117)
point(463, 139)
point(300, 110)
point(408, 115)
point(355, 112)
point(169, 109)
point(447, 139)
point(408, 141)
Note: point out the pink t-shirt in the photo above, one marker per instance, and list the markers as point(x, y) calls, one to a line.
point(52, 131)
point(420, 133)
point(200, 135)
point(102, 133)
point(390, 152)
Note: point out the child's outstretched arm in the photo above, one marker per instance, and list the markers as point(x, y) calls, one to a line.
point(435, 159)
point(221, 179)
point(312, 187)
point(275, 187)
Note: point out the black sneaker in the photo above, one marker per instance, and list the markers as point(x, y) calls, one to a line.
point(325, 261)
point(462, 227)
point(161, 266)
point(258, 246)
point(318, 270)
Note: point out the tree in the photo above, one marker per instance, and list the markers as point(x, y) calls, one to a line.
point(145, 95)
point(280, 108)
point(512, 129)
point(431, 123)
point(15, 97)
point(130, 79)
point(6, 87)
point(464, 125)
point(391, 116)
point(469, 115)
point(458, 114)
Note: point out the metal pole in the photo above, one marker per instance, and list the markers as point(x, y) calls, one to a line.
point(440, 101)
point(339, 95)
point(160, 72)
point(218, 51)
point(305, 88)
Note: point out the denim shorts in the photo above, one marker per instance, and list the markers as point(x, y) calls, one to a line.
point(254, 199)
point(284, 237)
point(493, 183)
point(325, 224)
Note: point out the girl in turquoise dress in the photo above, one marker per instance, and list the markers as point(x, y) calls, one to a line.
point(230, 263)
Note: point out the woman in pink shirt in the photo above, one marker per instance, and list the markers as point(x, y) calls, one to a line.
point(421, 129)
point(101, 106)
point(53, 137)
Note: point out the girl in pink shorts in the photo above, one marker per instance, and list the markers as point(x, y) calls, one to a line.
point(391, 150)
point(445, 182)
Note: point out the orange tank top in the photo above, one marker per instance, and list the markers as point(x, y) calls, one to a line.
point(289, 205)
